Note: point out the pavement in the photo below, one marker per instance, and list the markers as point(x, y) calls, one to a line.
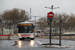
point(64, 43)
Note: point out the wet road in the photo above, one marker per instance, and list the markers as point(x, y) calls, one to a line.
point(32, 44)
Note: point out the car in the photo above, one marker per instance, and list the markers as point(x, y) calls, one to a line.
point(36, 34)
point(40, 33)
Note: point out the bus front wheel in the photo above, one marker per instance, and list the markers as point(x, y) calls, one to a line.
point(32, 38)
point(20, 38)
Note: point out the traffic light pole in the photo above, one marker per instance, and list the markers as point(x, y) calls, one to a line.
point(51, 26)
point(50, 35)
point(60, 33)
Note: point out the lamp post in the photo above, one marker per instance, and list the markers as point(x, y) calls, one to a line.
point(60, 33)
point(60, 30)
point(35, 21)
point(51, 7)
point(51, 22)
point(30, 14)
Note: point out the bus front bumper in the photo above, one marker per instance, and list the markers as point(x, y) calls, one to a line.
point(27, 37)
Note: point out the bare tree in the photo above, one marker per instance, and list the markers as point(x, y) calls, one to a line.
point(43, 23)
point(14, 16)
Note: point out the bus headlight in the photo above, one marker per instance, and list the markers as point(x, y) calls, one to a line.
point(32, 34)
point(19, 34)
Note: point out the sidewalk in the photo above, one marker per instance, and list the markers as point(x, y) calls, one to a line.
point(8, 37)
point(64, 43)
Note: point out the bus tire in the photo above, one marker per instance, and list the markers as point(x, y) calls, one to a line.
point(32, 38)
point(20, 38)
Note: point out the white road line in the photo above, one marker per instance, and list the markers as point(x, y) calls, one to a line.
point(39, 42)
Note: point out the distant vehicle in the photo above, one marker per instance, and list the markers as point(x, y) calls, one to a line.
point(40, 33)
point(26, 30)
point(68, 33)
point(36, 34)
point(47, 31)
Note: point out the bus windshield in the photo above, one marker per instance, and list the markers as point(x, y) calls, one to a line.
point(25, 29)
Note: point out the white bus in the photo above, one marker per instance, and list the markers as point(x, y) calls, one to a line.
point(26, 30)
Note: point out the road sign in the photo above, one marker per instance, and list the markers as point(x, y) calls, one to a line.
point(50, 14)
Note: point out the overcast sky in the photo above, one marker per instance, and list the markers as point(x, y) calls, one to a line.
point(38, 6)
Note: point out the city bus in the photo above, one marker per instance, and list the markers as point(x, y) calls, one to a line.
point(26, 30)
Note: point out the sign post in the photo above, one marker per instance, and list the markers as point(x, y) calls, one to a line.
point(50, 18)
point(50, 15)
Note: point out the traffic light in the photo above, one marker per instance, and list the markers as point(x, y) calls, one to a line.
point(54, 30)
point(48, 19)
point(48, 23)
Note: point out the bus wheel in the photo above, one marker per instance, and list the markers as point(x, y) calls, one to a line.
point(20, 38)
point(32, 38)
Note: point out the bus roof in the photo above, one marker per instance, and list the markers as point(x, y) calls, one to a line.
point(26, 22)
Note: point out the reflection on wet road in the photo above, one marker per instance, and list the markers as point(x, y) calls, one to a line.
point(25, 43)
point(32, 43)
point(19, 44)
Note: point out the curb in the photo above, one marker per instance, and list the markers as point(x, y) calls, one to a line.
point(53, 46)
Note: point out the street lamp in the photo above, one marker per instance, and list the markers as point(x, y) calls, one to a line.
point(30, 14)
point(52, 7)
point(51, 21)
point(35, 21)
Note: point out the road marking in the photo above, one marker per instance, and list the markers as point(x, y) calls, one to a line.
point(39, 42)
